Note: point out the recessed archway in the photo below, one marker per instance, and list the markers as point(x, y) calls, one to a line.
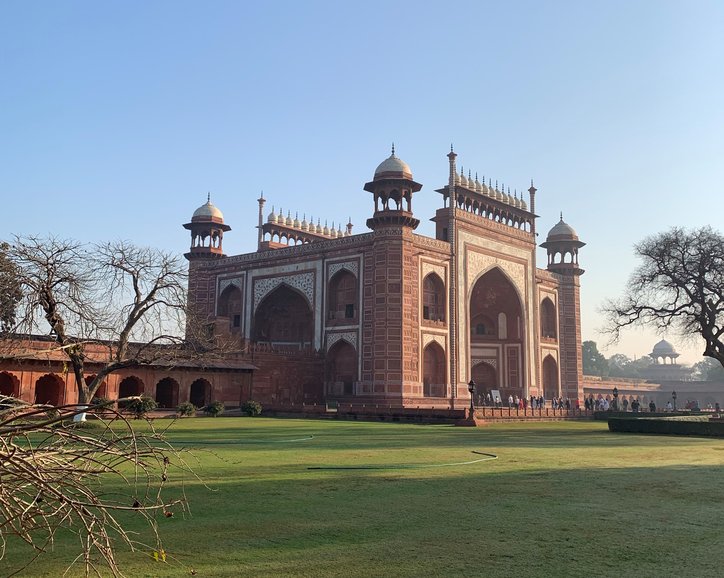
point(49, 390)
point(167, 393)
point(341, 368)
point(485, 377)
point(9, 385)
point(550, 377)
point(284, 318)
point(200, 393)
point(433, 371)
point(548, 319)
point(130, 386)
point(343, 297)
point(433, 298)
point(496, 319)
point(229, 306)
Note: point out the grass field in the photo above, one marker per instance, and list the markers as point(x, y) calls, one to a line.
point(561, 499)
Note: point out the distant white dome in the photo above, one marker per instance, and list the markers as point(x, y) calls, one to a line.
point(664, 348)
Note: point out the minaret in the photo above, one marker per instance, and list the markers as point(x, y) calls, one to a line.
point(261, 200)
point(392, 187)
point(452, 295)
point(562, 245)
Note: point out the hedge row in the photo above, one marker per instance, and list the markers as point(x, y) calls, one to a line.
point(667, 426)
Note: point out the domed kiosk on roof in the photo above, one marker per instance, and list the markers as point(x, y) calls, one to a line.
point(562, 244)
point(207, 231)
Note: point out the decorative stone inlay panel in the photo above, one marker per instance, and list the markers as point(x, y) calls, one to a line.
point(350, 337)
point(304, 282)
point(428, 268)
point(546, 352)
point(489, 360)
point(351, 266)
point(237, 282)
point(428, 338)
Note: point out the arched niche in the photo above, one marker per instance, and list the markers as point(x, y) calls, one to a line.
point(550, 377)
point(548, 318)
point(433, 371)
point(343, 297)
point(485, 377)
point(433, 298)
point(341, 368)
point(229, 305)
point(285, 318)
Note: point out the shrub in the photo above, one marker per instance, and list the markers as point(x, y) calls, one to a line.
point(186, 409)
point(251, 408)
point(141, 406)
point(214, 408)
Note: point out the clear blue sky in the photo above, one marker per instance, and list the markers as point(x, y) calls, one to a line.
point(118, 117)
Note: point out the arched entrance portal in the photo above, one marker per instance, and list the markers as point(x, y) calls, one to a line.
point(200, 393)
point(433, 371)
point(9, 385)
point(341, 369)
point(284, 318)
point(550, 378)
point(167, 393)
point(485, 378)
point(497, 327)
point(49, 390)
point(130, 386)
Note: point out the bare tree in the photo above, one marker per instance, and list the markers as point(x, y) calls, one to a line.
point(678, 286)
point(115, 305)
point(10, 290)
point(51, 483)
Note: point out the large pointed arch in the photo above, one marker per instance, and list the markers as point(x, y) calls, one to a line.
point(497, 324)
point(434, 368)
point(284, 317)
point(341, 368)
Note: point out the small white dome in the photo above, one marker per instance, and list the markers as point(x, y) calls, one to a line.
point(663, 347)
point(207, 211)
point(272, 218)
point(393, 167)
point(562, 230)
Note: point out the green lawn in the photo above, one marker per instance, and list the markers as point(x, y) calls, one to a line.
point(562, 499)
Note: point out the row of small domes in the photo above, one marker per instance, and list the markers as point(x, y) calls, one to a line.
point(303, 225)
point(488, 190)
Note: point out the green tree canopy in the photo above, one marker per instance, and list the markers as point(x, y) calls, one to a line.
point(594, 363)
